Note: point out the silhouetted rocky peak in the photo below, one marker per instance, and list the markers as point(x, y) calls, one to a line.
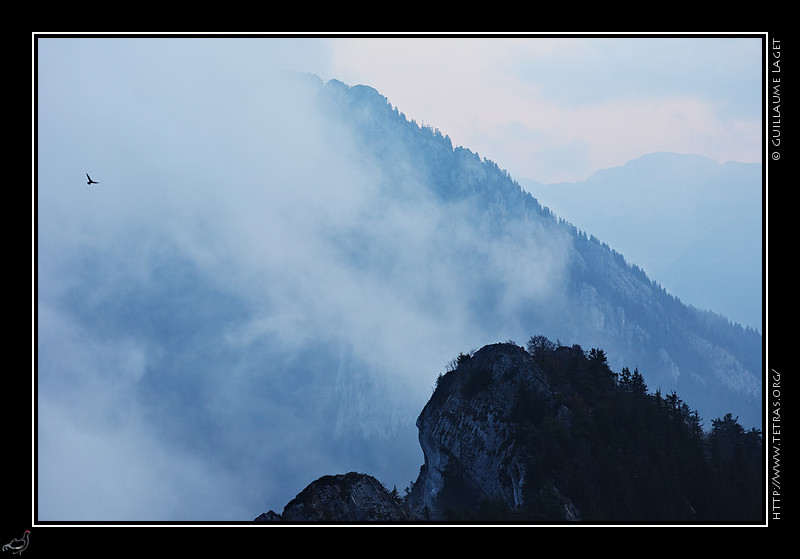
point(351, 497)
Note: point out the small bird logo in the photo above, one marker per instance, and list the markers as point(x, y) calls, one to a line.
point(90, 181)
point(18, 545)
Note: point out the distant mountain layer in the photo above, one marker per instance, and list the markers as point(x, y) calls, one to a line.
point(691, 223)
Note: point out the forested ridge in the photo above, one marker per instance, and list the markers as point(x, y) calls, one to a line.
point(621, 452)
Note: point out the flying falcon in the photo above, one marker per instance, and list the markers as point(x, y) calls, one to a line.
point(90, 181)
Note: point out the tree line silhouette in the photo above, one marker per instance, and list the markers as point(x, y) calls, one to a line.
point(623, 454)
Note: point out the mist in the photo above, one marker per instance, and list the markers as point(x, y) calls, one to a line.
point(247, 300)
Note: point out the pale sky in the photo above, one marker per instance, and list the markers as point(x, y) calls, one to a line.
point(557, 109)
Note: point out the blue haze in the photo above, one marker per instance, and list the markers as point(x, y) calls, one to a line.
point(258, 293)
point(694, 225)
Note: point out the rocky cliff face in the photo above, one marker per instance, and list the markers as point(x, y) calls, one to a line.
point(468, 434)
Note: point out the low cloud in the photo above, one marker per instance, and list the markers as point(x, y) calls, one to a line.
point(244, 283)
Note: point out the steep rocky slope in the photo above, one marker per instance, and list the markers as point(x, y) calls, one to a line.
point(468, 434)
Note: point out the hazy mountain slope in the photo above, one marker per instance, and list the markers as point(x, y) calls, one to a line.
point(553, 278)
point(691, 223)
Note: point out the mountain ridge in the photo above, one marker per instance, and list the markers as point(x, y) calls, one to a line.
point(551, 435)
point(626, 312)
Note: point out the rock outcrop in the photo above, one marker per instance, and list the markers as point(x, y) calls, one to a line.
point(351, 497)
point(468, 434)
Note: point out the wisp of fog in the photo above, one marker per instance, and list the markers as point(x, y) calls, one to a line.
point(246, 301)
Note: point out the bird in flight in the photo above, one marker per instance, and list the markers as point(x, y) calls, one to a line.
point(90, 181)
